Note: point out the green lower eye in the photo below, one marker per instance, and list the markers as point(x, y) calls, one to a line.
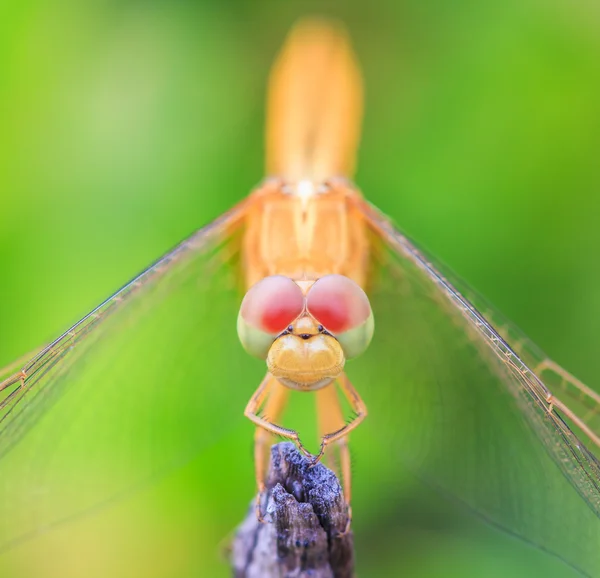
point(254, 341)
point(355, 341)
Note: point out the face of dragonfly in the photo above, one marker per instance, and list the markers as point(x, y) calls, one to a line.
point(305, 330)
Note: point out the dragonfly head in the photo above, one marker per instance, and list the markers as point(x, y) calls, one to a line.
point(305, 356)
point(305, 331)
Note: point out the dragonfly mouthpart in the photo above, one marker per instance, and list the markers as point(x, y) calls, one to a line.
point(306, 361)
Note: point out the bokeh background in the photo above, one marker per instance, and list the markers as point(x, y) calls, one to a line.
point(126, 125)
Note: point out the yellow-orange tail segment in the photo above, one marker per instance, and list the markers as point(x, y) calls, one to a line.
point(314, 104)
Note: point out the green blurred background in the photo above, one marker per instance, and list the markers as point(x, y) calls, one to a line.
point(126, 125)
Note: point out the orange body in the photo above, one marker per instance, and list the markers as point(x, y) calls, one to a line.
point(304, 238)
point(298, 225)
point(304, 223)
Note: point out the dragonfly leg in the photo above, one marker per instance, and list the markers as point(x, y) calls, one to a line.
point(18, 391)
point(15, 376)
point(276, 397)
point(360, 412)
point(571, 387)
point(330, 418)
point(254, 405)
point(567, 379)
point(273, 396)
point(13, 379)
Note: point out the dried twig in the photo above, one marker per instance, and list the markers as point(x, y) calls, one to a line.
point(305, 519)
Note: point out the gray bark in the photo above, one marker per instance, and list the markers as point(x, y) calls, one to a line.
point(305, 516)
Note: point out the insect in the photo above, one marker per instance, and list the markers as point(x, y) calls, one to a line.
point(472, 406)
point(306, 249)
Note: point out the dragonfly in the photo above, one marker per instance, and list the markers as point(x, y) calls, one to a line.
point(313, 273)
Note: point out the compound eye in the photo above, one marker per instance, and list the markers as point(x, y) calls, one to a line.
point(267, 309)
point(343, 308)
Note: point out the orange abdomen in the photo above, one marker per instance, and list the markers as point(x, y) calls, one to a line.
point(296, 227)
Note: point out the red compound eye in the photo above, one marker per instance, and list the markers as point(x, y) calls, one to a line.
point(338, 303)
point(272, 304)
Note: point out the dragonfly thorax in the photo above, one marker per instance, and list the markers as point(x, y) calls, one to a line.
point(304, 230)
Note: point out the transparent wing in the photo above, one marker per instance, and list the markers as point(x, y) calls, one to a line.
point(138, 390)
point(467, 414)
point(577, 403)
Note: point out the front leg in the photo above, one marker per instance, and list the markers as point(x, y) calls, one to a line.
point(251, 412)
point(360, 412)
point(273, 396)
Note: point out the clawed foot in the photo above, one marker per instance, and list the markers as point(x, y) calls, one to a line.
point(348, 523)
point(304, 451)
point(314, 460)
